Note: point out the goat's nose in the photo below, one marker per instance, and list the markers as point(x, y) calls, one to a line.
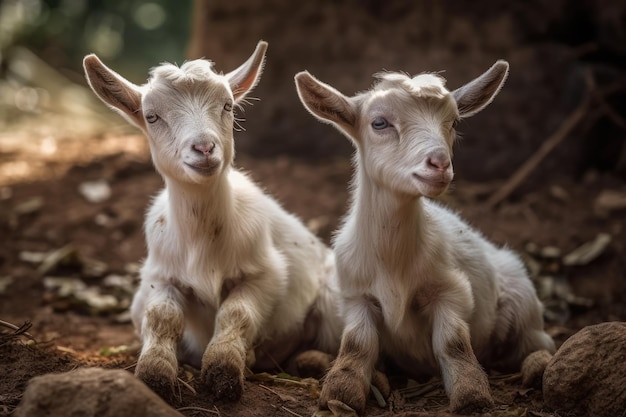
point(205, 148)
point(438, 160)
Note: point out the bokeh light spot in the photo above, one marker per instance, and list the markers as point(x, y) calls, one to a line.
point(149, 16)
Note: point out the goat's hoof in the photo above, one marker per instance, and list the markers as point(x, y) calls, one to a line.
point(224, 380)
point(313, 363)
point(159, 374)
point(344, 386)
point(380, 381)
point(470, 401)
point(533, 367)
point(162, 385)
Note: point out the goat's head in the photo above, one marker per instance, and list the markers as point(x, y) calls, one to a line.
point(186, 112)
point(403, 127)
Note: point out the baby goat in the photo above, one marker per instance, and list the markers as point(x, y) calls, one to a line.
point(231, 279)
point(417, 282)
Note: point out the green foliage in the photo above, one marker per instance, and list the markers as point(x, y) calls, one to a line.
point(129, 35)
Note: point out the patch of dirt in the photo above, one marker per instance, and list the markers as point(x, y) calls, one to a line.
point(558, 213)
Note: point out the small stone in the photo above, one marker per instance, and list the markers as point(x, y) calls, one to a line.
point(550, 252)
point(32, 257)
point(559, 193)
point(586, 375)
point(610, 201)
point(5, 281)
point(5, 193)
point(91, 392)
point(532, 248)
point(95, 191)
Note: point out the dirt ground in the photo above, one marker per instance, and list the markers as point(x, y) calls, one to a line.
point(42, 211)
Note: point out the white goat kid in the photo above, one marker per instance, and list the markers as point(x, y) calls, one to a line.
point(230, 277)
point(416, 281)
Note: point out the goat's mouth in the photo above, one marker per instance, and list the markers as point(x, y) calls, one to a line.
point(437, 182)
point(204, 169)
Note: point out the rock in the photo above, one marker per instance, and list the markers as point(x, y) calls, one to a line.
point(586, 375)
point(91, 392)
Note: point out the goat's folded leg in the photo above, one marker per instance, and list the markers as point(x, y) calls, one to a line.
point(239, 318)
point(162, 326)
point(465, 381)
point(348, 381)
point(533, 368)
point(313, 363)
point(223, 365)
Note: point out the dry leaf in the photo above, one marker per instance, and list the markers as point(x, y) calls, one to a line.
point(4, 283)
point(589, 251)
point(340, 409)
point(66, 254)
point(29, 206)
point(610, 200)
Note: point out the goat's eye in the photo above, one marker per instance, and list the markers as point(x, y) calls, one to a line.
point(380, 123)
point(228, 106)
point(152, 117)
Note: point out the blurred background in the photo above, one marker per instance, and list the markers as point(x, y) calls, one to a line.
point(551, 45)
point(542, 169)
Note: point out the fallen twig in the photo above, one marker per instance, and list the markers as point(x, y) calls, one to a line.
point(593, 94)
point(507, 377)
point(272, 391)
point(188, 386)
point(131, 366)
point(17, 331)
point(276, 364)
point(289, 411)
point(546, 147)
point(191, 408)
point(420, 390)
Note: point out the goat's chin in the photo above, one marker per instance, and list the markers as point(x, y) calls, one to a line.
point(431, 192)
point(432, 189)
point(201, 174)
point(430, 186)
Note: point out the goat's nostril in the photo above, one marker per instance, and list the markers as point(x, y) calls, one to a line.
point(438, 162)
point(203, 148)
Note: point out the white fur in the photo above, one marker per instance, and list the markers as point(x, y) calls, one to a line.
point(227, 266)
point(414, 277)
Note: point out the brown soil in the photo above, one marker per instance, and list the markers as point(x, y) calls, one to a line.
point(556, 213)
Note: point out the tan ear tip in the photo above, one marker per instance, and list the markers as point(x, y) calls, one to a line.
point(262, 46)
point(504, 65)
point(91, 60)
point(302, 76)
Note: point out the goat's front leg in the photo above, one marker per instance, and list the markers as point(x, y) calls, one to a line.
point(239, 319)
point(158, 313)
point(464, 380)
point(348, 381)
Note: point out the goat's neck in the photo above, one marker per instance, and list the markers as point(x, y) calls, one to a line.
point(195, 208)
point(390, 221)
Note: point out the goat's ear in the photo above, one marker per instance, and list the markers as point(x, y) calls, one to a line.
point(245, 78)
point(478, 93)
point(326, 103)
point(114, 90)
